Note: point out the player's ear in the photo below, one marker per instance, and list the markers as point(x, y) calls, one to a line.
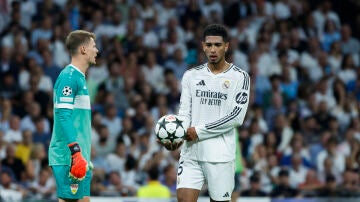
point(82, 50)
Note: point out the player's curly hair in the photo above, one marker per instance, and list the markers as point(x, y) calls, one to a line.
point(77, 38)
point(216, 30)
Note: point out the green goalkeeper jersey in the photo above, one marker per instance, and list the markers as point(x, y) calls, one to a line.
point(72, 116)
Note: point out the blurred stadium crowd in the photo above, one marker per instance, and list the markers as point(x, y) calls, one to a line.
point(301, 136)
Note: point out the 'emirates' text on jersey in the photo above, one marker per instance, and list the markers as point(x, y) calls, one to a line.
point(214, 104)
point(70, 92)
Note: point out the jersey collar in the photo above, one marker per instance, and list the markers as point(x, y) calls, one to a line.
point(77, 69)
point(226, 70)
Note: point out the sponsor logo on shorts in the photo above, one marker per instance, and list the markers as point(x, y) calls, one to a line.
point(74, 188)
point(226, 194)
point(178, 180)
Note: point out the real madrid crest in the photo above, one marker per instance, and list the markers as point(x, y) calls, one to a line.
point(226, 84)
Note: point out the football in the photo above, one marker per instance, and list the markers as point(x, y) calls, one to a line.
point(169, 128)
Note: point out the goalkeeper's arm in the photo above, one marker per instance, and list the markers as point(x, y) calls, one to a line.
point(78, 163)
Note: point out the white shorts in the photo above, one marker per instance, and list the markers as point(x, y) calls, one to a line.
point(219, 177)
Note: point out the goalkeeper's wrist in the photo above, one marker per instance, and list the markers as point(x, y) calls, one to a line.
point(74, 148)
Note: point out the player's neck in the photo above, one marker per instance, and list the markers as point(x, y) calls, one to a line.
point(81, 65)
point(218, 67)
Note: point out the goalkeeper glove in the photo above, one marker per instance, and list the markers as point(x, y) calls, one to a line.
point(78, 163)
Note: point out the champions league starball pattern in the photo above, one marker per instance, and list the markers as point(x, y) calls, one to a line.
point(66, 91)
point(169, 128)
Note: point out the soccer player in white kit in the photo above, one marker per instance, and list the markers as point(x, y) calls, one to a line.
point(214, 101)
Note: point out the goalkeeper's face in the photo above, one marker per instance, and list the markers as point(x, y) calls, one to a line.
point(215, 48)
point(91, 52)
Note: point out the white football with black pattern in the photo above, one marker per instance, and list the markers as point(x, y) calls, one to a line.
point(169, 128)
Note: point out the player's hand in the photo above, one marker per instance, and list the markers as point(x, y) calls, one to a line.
point(171, 146)
point(79, 165)
point(191, 134)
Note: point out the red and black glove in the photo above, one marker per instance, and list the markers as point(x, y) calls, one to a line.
point(78, 164)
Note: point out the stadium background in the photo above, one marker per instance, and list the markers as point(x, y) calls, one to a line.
point(303, 119)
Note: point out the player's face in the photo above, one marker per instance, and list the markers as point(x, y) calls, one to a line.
point(91, 52)
point(215, 48)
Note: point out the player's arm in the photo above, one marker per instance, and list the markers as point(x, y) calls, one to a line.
point(64, 105)
point(64, 92)
point(230, 120)
point(185, 101)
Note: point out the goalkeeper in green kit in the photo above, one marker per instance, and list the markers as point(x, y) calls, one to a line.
point(69, 151)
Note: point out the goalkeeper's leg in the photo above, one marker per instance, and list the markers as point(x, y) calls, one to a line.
point(68, 200)
point(85, 199)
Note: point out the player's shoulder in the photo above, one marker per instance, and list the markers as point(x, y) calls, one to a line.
point(68, 76)
point(237, 71)
point(196, 70)
point(72, 70)
point(69, 72)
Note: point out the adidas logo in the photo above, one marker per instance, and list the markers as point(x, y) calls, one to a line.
point(226, 194)
point(201, 83)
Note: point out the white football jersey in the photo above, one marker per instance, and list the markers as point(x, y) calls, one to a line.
point(214, 104)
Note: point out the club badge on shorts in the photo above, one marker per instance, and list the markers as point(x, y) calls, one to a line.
point(74, 188)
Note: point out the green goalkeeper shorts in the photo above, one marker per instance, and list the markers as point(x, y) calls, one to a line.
point(67, 188)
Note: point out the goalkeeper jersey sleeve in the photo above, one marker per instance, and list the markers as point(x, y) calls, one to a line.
point(72, 116)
